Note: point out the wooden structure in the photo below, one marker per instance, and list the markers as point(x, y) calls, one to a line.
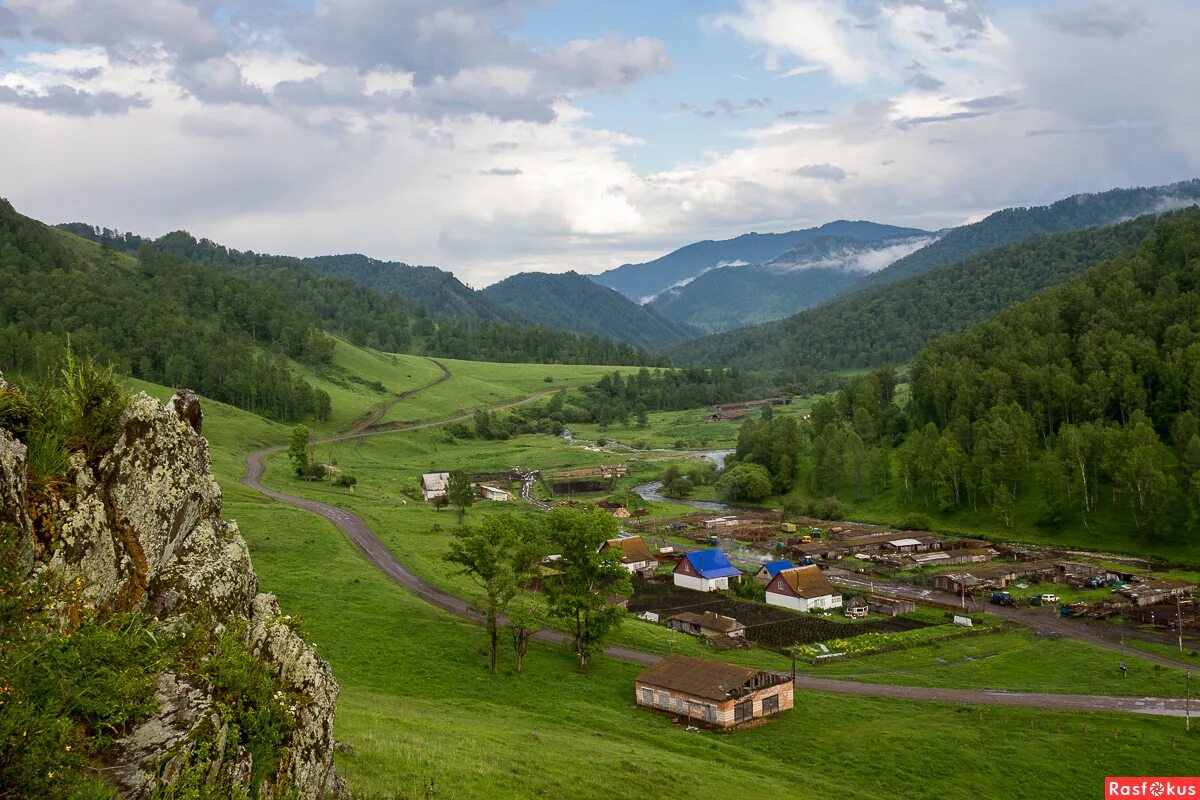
point(856, 608)
point(892, 606)
point(707, 624)
point(433, 484)
point(712, 693)
point(770, 569)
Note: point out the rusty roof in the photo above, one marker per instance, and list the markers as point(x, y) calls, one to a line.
point(700, 677)
point(806, 582)
point(711, 620)
point(632, 548)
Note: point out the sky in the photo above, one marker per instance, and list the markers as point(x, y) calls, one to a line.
point(491, 137)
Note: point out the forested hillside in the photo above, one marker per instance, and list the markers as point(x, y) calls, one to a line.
point(437, 292)
point(1078, 409)
point(1020, 224)
point(640, 282)
point(377, 319)
point(873, 325)
point(572, 302)
point(813, 272)
point(157, 318)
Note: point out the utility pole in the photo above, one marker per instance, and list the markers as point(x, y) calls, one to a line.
point(1179, 622)
point(1187, 704)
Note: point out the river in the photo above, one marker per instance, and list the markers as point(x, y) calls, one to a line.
point(651, 491)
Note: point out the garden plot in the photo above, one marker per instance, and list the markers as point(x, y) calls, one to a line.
point(769, 626)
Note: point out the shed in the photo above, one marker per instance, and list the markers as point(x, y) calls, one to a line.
point(705, 571)
point(709, 623)
point(722, 695)
point(494, 493)
point(856, 607)
point(893, 606)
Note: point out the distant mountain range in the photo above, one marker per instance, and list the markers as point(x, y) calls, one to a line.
point(570, 301)
point(814, 271)
point(966, 276)
point(642, 283)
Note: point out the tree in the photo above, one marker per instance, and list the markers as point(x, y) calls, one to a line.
point(497, 555)
point(298, 450)
point(587, 577)
point(460, 493)
point(749, 482)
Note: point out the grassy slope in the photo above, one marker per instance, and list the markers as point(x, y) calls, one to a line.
point(417, 703)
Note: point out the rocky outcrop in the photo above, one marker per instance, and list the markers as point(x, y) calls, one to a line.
point(143, 530)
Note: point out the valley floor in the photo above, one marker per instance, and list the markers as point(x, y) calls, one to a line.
point(420, 716)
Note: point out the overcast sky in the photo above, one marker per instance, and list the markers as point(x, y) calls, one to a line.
point(496, 136)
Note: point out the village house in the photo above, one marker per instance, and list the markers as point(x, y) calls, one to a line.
point(709, 623)
point(705, 571)
point(770, 570)
point(997, 577)
point(721, 522)
point(722, 695)
point(433, 484)
point(635, 555)
point(803, 589)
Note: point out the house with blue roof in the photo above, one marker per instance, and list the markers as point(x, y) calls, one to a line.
point(770, 570)
point(706, 571)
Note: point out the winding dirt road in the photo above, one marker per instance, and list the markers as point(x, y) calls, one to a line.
point(365, 539)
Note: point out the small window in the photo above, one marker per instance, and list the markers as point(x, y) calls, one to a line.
point(711, 713)
point(648, 696)
point(664, 700)
point(770, 704)
point(743, 711)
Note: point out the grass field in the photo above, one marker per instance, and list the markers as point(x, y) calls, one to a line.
point(420, 716)
point(1012, 660)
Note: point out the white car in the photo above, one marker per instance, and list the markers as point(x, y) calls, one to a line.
point(1048, 599)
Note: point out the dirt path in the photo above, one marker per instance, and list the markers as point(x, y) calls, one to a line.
point(373, 420)
point(364, 538)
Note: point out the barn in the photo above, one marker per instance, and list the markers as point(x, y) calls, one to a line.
point(722, 695)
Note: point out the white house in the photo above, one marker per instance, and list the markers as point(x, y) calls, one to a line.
point(803, 589)
point(433, 484)
point(635, 555)
point(493, 493)
point(705, 571)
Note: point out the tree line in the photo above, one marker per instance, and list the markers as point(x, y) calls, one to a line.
point(1080, 406)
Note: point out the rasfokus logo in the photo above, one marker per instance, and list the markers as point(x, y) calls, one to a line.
point(1151, 787)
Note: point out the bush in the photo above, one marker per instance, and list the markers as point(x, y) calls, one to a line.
point(915, 522)
point(345, 480)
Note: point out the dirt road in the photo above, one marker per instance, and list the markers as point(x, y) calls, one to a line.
point(365, 539)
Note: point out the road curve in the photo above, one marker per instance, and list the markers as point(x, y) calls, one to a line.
point(368, 543)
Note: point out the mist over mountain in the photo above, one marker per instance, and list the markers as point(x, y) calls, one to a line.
point(643, 282)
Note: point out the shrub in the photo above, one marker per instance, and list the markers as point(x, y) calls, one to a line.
point(915, 522)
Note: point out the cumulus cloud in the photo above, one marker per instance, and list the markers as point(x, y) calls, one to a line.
point(1113, 19)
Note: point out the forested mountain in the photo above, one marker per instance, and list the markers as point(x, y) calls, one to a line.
point(873, 324)
point(158, 318)
point(814, 271)
point(1079, 407)
point(572, 302)
point(439, 293)
point(642, 282)
point(442, 295)
point(1019, 224)
point(381, 320)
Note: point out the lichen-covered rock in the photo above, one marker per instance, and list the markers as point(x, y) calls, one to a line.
point(311, 757)
point(12, 494)
point(145, 530)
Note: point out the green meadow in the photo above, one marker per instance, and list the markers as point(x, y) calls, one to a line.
point(419, 716)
